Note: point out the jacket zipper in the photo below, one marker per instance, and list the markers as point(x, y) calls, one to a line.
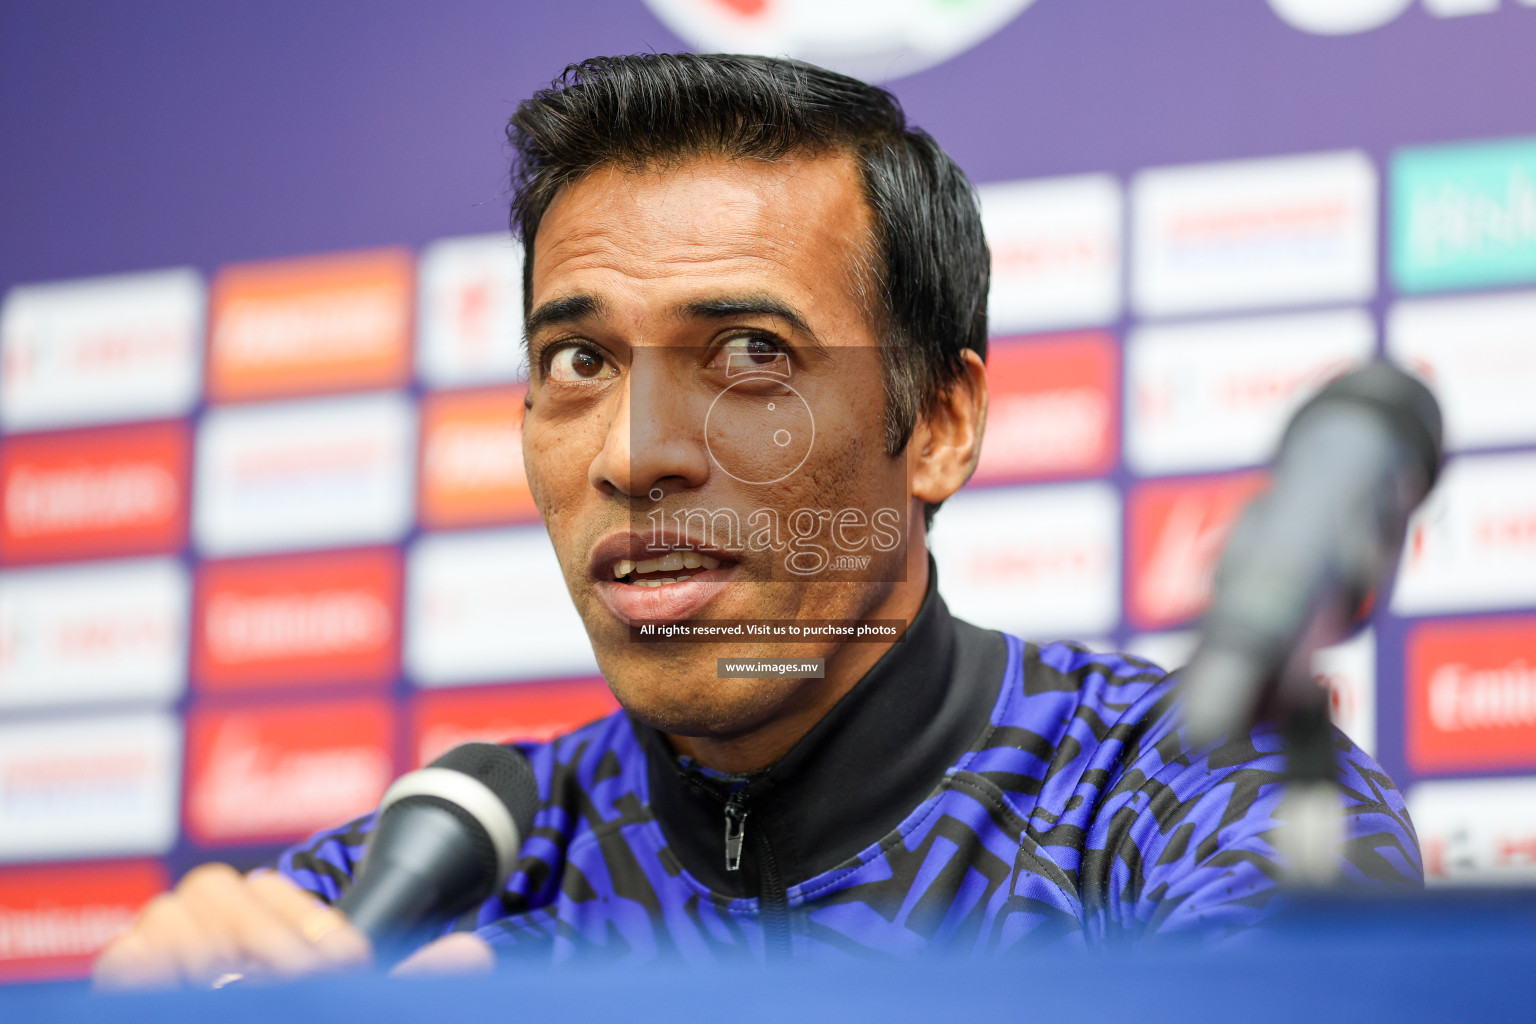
point(773, 900)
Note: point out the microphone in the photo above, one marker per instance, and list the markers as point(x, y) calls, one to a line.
point(445, 839)
point(1302, 565)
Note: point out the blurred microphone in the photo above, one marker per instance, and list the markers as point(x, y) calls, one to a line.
point(445, 839)
point(1304, 561)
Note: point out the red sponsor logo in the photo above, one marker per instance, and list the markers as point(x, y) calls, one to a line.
point(1472, 695)
point(1176, 534)
point(315, 324)
point(292, 621)
point(1053, 408)
point(505, 714)
point(472, 459)
point(54, 920)
point(94, 492)
point(280, 772)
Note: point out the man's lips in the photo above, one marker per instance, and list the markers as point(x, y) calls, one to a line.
point(630, 602)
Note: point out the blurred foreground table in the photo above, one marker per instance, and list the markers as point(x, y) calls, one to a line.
point(1463, 957)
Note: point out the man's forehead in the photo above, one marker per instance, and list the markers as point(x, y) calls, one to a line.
point(707, 215)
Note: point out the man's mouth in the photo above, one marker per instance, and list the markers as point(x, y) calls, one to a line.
point(671, 567)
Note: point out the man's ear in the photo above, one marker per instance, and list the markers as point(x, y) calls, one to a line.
point(946, 443)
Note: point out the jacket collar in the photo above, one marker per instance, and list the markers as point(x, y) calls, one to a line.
point(878, 753)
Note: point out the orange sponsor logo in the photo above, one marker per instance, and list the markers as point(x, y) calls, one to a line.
point(1472, 695)
point(54, 920)
point(1053, 408)
point(89, 493)
point(280, 772)
point(472, 459)
point(1176, 534)
point(305, 619)
point(505, 714)
point(325, 323)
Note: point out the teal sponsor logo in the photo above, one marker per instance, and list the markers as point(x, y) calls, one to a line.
point(1464, 216)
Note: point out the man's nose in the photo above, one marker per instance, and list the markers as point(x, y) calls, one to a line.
point(655, 439)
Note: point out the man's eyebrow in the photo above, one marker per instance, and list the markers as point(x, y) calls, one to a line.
point(564, 310)
point(727, 306)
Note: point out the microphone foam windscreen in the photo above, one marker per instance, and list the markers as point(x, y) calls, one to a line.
point(504, 772)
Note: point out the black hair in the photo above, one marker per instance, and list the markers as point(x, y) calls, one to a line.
point(928, 264)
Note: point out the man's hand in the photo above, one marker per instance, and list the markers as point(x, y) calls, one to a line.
point(217, 922)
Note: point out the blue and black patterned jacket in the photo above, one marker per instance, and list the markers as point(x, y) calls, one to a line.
point(971, 793)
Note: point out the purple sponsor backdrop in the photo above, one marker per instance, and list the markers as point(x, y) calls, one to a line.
point(160, 134)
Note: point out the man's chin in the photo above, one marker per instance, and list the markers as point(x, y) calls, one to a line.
point(699, 705)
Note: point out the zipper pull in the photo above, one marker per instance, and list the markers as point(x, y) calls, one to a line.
point(735, 832)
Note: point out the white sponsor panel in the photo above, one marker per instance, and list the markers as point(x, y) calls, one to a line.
point(491, 606)
point(875, 40)
point(1479, 356)
point(1472, 544)
point(1037, 561)
point(305, 474)
point(101, 350)
point(1348, 669)
point(89, 787)
point(1216, 395)
point(1476, 831)
point(1275, 232)
point(471, 318)
point(1055, 252)
point(104, 631)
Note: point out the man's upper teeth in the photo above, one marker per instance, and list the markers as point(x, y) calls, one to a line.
point(669, 562)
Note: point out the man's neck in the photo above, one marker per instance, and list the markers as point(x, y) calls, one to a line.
point(766, 744)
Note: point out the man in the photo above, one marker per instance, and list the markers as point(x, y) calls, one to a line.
point(756, 333)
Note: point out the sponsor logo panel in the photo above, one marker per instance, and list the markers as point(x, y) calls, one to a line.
point(1218, 395)
point(89, 787)
point(1347, 670)
point(1476, 831)
point(482, 607)
point(1472, 695)
point(1055, 252)
point(1464, 216)
point(532, 712)
point(54, 920)
point(1274, 232)
point(292, 621)
point(317, 473)
point(283, 771)
point(1177, 531)
point(1472, 544)
point(471, 311)
point(101, 350)
point(1042, 561)
point(1052, 407)
point(472, 459)
point(98, 632)
point(1477, 354)
point(870, 39)
point(93, 493)
point(320, 323)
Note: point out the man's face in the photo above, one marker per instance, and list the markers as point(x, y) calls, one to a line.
point(705, 430)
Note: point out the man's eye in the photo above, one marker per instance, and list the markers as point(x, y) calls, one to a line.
point(750, 348)
point(579, 363)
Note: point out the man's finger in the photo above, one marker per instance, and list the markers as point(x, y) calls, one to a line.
point(326, 929)
point(129, 963)
point(459, 953)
